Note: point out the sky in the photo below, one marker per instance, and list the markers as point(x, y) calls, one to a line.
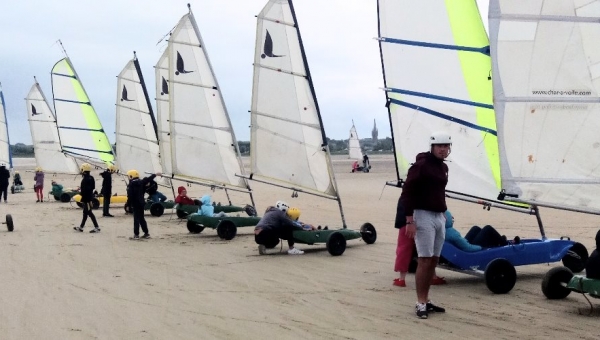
point(100, 37)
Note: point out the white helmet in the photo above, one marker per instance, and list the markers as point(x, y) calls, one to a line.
point(440, 138)
point(281, 205)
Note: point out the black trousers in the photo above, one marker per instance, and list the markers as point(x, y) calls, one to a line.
point(3, 191)
point(87, 211)
point(139, 220)
point(106, 196)
point(270, 238)
point(486, 237)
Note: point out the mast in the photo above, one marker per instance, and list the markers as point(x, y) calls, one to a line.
point(143, 83)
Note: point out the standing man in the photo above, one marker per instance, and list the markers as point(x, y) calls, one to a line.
point(107, 188)
point(424, 200)
point(4, 177)
point(88, 184)
point(135, 201)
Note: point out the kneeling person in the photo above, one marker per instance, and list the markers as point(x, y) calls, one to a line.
point(274, 225)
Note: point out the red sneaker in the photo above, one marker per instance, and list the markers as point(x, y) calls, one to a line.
point(399, 282)
point(438, 281)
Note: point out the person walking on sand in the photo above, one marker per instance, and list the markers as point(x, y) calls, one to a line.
point(88, 184)
point(424, 200)
point(4, 181)
point(38, 187)
point(135, 201)
point(106, 189)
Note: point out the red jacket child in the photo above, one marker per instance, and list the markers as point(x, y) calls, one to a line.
point(182, 197)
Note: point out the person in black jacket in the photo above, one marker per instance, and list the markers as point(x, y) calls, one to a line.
point(4, 177)
point(88, 184)
point(135, 201)
point(107, 188)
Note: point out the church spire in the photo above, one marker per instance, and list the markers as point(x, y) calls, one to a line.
point(375, 132)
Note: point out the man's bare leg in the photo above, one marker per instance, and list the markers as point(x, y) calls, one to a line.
point(423, 276)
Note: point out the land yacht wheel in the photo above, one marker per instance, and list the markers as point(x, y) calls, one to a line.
point(336, 244)
point(554, 285)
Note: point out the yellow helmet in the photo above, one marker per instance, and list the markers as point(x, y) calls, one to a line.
point(16, 172)
point(112, 168)
point(293, 213)
point(133, 174)
point(85, 167)
point(38, 169)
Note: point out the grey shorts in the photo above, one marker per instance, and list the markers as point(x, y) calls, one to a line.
point(431, 232)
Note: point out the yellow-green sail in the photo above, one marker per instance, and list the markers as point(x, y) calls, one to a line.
point(80, 130)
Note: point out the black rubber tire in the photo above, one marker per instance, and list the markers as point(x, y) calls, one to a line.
point(157, 209)
point(500, 276)
point(95, 203)
point(181, 213)
point(194, 228)
point(250, 211)
point(555, 281)
point(64, 197)
point(576, 258)
point(368, 233)
point(56, 197)
point(127, 209)
point(12, 189)
point(226, 230)
point(9, 223)
point(79, 204)
point(336, 244)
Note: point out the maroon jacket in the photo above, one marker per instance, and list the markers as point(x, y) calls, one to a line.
point(425, 185)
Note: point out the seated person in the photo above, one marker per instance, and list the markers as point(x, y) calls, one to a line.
point(294, 214)
point(274, 225)
point(476, 239)
point(182, 197)
point(592, 268)
point(355, 166)
point(17, 179)
point(56, 188)
point(207, 209)
point(151, 188)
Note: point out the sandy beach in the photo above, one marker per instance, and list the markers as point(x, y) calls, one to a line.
point(61, 284)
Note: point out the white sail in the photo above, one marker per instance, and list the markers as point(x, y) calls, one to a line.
point(44, 135)
point(547, 97)
point(437, 78)
point(5, 155)
point(80, 130)
point(288, 143)
point(162, 111)
point(354, 150)
point(136, 137)
point(203, 144)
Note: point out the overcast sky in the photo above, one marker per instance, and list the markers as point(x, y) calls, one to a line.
point(100, 37)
